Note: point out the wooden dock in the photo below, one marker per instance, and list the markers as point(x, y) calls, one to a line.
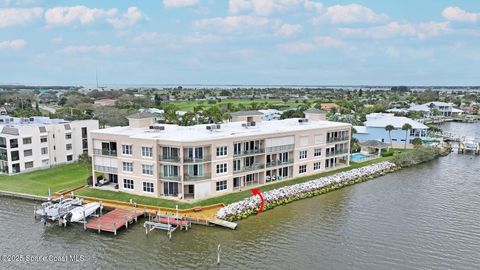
point(113, 220)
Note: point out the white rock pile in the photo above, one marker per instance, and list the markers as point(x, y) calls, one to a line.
point(286, 194)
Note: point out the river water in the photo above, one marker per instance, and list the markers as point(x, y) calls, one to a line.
point(426, 217)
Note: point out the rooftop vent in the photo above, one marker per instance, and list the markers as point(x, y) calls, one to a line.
point(213, 127)
point(302, 120)
point(156, 128)
point(249, 124)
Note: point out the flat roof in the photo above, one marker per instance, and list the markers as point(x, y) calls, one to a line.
point(227, 130)
point(245, 113)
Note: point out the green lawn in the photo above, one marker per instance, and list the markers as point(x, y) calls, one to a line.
point(38, 182)
point(185, 105)
point(225, 199)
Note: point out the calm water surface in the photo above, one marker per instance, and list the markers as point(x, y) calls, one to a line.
point(425, 217)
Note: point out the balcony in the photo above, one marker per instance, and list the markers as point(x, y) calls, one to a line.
point(170, 177)
point(167, 158)
point(282, 148)
point(196, 159)
point(279, 163)
point(336, 153)
point(188, 177)
point(338, 139)
point(253, 167)
point(250, 152)
point(106, 169)
point(105, 152)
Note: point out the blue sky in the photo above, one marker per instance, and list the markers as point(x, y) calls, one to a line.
point(388, 42)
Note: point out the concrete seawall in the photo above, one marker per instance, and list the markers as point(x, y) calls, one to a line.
point(23, 196)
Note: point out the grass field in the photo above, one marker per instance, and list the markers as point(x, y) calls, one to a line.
point(225, 199)
point(38, 182)
point(188, 105)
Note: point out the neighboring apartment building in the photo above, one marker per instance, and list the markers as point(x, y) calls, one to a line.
point(40, 142)
point(374, 129)
point(208, 160)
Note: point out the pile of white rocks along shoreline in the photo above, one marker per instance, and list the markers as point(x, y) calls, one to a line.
point(295, 191)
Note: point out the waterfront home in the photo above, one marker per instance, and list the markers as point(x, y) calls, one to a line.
point(40, 142)
point(374, 129)
point(443, 108)
point(192, 162)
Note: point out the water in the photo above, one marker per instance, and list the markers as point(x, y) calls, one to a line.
point(425, 217)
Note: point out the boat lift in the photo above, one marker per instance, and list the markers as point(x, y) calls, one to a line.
point(167, 223)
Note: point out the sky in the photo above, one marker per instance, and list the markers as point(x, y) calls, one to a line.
point(248, 42)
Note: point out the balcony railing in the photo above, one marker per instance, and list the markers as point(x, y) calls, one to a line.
point(281, 148)
point(337, 152)
point(250, 168)
point(105, 152)
point(188, 177)
point(250, 152)
point(279, 163)
point(105, 169)
point(338, 139)
point(196, 159)
point(169, 158)
point(170, 177)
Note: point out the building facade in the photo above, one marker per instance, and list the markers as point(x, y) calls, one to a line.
point(210, 160)
point(39, 142)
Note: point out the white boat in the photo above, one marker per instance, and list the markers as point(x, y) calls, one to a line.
point(53, 211)
point(80, 213)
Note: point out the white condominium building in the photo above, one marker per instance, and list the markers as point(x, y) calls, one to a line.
point(40, 142)
point(201, 161)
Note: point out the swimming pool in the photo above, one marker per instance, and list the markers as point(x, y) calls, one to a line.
point(359, 157)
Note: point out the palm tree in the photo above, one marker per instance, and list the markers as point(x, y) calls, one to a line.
point(406, 127)
point(389, 129)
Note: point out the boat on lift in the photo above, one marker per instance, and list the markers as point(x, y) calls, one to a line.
point(54, 210)
point(80, 213)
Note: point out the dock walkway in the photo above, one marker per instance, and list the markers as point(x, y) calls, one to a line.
point(113, 220)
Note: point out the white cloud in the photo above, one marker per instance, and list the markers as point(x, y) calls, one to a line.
point(232, 23)
point(396, 29)
point(287, 30)
point(352, 13)
point(459, 15)
point(262, 7)
point(17, 16)
point(76, 14)
point(315, 6)
point(179, 3)
point(127, 19)
point(102, 49)
point(13, 44)
point(319, 42)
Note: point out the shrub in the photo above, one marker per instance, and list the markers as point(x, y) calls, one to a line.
point(416, 156)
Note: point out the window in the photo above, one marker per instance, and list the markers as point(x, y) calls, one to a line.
point(127, 166)
point(302, 169)
point(303, 154)
point(14, 155)
point(43, 139)
point(45, 162)
point(146, 151)
point(317, 166)
point(27, 140)
point(13, 143)
point(29, 165)
point(69, 157)
point(317, 152)
point(148, 187)
point(221, 185)
point(127, 183)
point(221, 151)
point(170, 171)
point(69, 146)
point(221, 168)
point(27, 153)
point(127, 149)
point(147, 169)
point(195, 170)
point(236, 165)
point(68, 136)
point(44, 150)
point(237, 148)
